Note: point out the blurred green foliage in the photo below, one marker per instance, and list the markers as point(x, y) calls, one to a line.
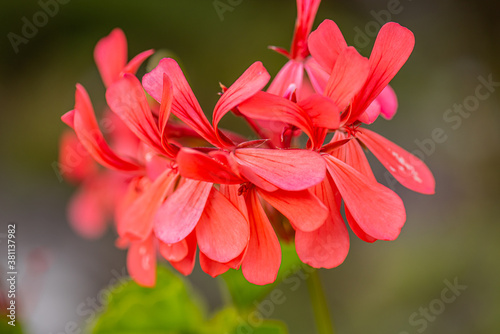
point(5, 328)
point(170, 308)
point(246, 296)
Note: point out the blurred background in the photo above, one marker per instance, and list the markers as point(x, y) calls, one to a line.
point(381, 288)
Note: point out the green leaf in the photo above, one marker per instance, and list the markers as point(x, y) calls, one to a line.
point(229, 321)
point(267, 327)
point(168, 308)
point(171, 308)
point(246, 296)
point(224, 321)
point(9, 329)
point(271, 327)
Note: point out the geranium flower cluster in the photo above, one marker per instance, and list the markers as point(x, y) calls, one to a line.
point(178, 184)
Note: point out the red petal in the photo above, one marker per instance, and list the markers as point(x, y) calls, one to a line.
point(290, 74)
point(339, 140)
point(356, 229)
point(130, 194)
point(304, 210)
point(75, 163)
point(347, 77)
point(326, 247)
point(323, 112)
point(286, 169)
point(263, 258)
point(236, 262)
point(377, 209)
point(174, 252)
point(89, 134)
point(305, 90)
point(137, 221)
point(122, 243)
point(124, 142)
point(317, 75)
point(211, 267)
point(231, 193)
point(255, 179)
point(356, 157)
point(326, 43)
point(126, 98)
point(134, 64)
point(409, 170)
point(141, 262)
point(222, 231)
point(156, 164)
point(392, 48)
point(388, 102)
point(370, 114)
point(164, 114)
point(306, 12)
point(249, 83)
point(167, 98)
point(69, 118)
point(182, 210)
point(110, 55)
point(270, 107)
point(195, 165)
point(88, 211)
point(185, 106)
point(186, 265)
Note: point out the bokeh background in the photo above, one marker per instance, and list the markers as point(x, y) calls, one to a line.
point(451, 236)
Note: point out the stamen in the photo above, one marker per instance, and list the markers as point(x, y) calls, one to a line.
point(174, 166)
point(242, 190)
point(352, 129)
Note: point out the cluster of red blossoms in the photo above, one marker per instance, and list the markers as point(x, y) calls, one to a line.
point(175, 185)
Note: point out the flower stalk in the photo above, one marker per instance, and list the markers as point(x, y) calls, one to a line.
point(324, 324)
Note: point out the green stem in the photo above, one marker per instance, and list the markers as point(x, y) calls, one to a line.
point(321, 315)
